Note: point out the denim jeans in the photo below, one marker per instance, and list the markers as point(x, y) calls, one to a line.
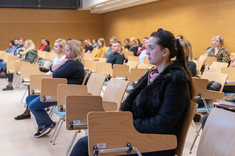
point(2, 66)
point(38, 109)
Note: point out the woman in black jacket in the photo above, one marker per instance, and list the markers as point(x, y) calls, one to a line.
point(160, 99)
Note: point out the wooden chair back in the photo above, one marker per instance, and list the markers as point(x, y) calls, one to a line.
point(136, 74)
point(103, 126)
point(102, 60)
point(85, 77)
point(104, 68)
point(214, 76)
point(19, 64)
point(9, 57)
point(95, 83)
point(77, 108)
point(210, 60)
point(27, 70)
point(90, 64)
point(218, 134)
point(114, 93)
point(230, 71)
point(201, 89)
point(202, 58)
point(216, 66)
point(64, 90)
point(132, 64)
point(134, 58)
point(35, 83)
point(142, 66)
point(120, 70)
point(127, 53)
point(191, 110)
point(49, 88)
point(199, 64)
point(42, 54)
point(11, 66)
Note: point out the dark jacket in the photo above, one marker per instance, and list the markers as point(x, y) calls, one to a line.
point(161, 106)
point(116, 58)
point(72, 70)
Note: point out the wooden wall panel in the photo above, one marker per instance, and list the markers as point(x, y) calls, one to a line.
point(196, 20)
point(51, 24)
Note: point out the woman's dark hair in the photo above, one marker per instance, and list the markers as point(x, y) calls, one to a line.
point(167, 40)
point(48, 42)
point(12, 42)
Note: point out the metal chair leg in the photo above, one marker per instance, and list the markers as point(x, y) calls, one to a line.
point(23, 95)
point(72, 141)
point(194, 125)
point(57, 125)
point(58, 131)
point(191, 148)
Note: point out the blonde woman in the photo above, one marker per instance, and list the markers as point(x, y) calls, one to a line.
point(59, 49)
point(219, 51)
point(28, 45)
point(133, 44)
point(101, 48)
point(72, 69)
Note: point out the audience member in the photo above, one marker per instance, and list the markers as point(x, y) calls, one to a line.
point(134, 47)
point(160, 99)
point(19, 48)
point(11, 46)
point(47, 46)
point(42, 46)
point(59, 49)
point(88, 46)
point(143, 54)
point(109, 52)
point(139, 44)
point(187, 48)
point(94, 43)
point(219, 51)
point(127, 44)
point(143, 47)
point(72, 69)
point(117, 57)
point(101, 48)
point(212, 44)
point(180, 37)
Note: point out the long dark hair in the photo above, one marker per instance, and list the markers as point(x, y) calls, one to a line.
point(167, 40)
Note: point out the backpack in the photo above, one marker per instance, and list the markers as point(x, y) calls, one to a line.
point(31, 56)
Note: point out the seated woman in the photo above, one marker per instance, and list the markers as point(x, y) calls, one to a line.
point(127, 44)
point(133, 44)
point(219, 51)
point(101, 48)
point(185, 44)
point(59, 48)
point(160, 99)
point(72, 69)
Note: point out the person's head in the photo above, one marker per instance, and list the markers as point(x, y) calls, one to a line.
point(219, 42)
point(112, 40)
point(116, 47)
point(43, 40)
point(133, 42)
point(213, 41)
point(127, 41)
point(163, 47)
point(73, 50)
point(59, 46)
point(94, 41)
point(11, 43)
point(16, 41)
point(29, 45)
point(101, 42)
point(187, 48)
point(180, 37)
point(144, 39)
point(87, 41)
point(47, 43)
point(146, 43)
point(21, 41)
